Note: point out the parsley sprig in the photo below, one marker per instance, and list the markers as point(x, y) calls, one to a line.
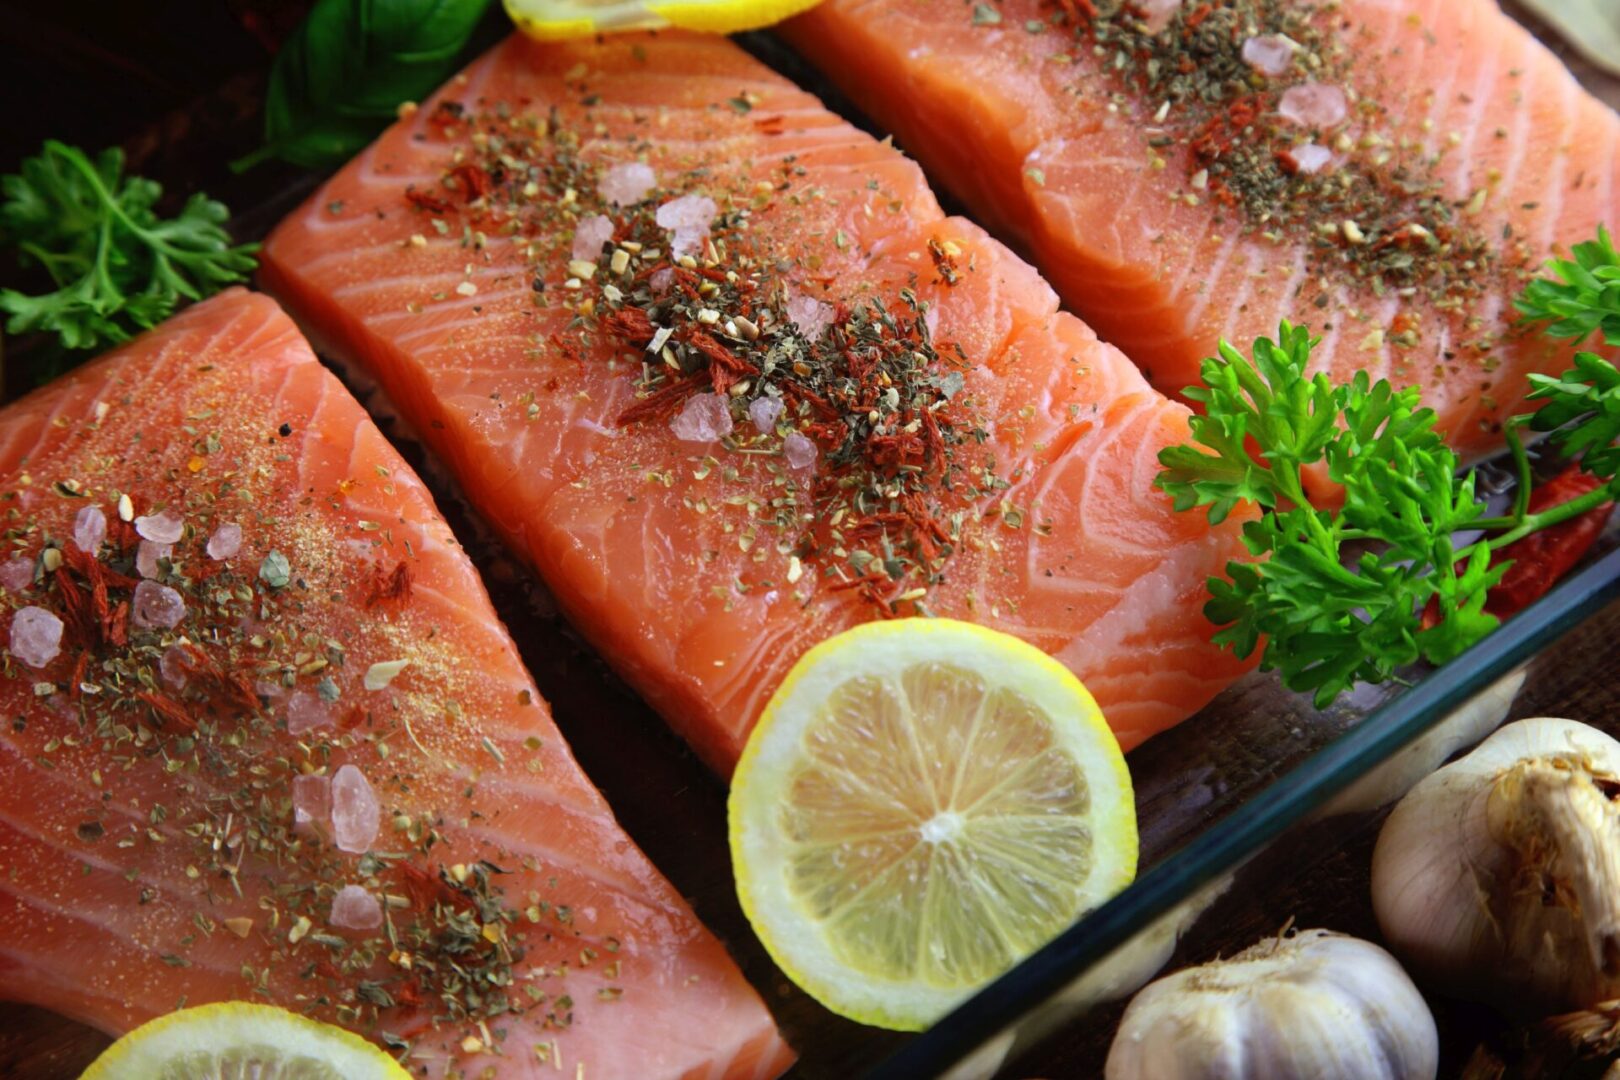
point(118, 267)
point(1331, 619)
point(1582, 298)
point(1356, 592)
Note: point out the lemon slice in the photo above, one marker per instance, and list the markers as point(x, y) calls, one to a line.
point(238, 1039)
point(923, 803)
point(555, 20)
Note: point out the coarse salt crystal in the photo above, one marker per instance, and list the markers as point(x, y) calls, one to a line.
point(810, 315)
point(704, 419)
point(687, 242)
point(89, 529)
point(353, 908)
point(1314, 105)
point(226, 542)
point(686, 212)
point(147, 555)
point(312, 799)
point(763, 411)
point(627, 183)
point(589, 236)
point(1270, 55)
point(1310, 158)
point(306, 711)
point(36, 636)
point(355, 812)
point(1156, 14)
point(174, 666)
point(799, 451)
point(17, 573)
point(661, 280)
point(688, 218)
point(164, 528)
point(156, 607)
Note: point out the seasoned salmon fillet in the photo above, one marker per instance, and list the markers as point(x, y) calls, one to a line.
point(716, 364)
point(1385, 171)
point(265, 739)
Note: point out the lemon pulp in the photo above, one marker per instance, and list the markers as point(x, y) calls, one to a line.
point(922, 804)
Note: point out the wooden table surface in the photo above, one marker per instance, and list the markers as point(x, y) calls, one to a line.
point(181, 91)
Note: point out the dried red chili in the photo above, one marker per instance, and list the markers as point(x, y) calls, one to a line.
point(1541, 558)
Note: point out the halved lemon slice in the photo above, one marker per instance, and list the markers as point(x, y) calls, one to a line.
point(239, 1039)
point(555, 20)
point(923, 803)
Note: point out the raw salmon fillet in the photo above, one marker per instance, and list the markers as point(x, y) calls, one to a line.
point(154, 777)
point(1030, 124)
point(442, 260)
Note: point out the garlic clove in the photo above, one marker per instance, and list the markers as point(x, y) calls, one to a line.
point(1498, 877)
point(1394, 777)
point(1316, 1004)
point(1129, 967)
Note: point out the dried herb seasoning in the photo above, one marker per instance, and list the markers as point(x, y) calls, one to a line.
point(194, 666)
point(872, 450)
point(1261, 94)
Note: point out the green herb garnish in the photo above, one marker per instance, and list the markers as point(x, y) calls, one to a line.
point(1585, 298)
point(118, 267)
point(342, 76)
point(1355, 593)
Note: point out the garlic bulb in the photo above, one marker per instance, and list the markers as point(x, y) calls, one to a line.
point(1317, 1004)
point(1498, 878)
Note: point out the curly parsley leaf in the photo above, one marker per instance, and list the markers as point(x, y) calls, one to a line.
point(1328, 620)
point(1585, 297)
point(1582, 411)
point(342, 76)
point(1270, 400)
point(118, 267)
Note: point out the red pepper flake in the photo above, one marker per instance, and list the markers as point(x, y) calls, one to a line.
point(422, 200)
point(390, 586)
point(630, 325)
point(425, 888)
point(168, 710)
point(663, 402)
point(1541, 558)
point(81, 667)
point(726, 368)
point(472, 179)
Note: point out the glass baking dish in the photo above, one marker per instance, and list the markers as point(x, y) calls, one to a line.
point(1231, 798)
point(1262, 810)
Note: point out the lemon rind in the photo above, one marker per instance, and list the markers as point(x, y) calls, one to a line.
point(560, 20)
point(142, 1052)
point(793, 943)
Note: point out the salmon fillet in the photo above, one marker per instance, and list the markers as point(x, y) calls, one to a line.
point(1016, 108)
point(163, 747)
point(440, 259)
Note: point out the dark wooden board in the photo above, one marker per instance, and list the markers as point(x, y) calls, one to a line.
point(178, 85)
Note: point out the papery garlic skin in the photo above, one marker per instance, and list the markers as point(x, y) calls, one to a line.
point(1498, 878)
point(1318, 1004)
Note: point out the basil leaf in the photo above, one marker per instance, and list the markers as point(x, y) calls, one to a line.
point(340, 78)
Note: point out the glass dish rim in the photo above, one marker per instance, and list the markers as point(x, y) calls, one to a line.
point(1254, 824)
